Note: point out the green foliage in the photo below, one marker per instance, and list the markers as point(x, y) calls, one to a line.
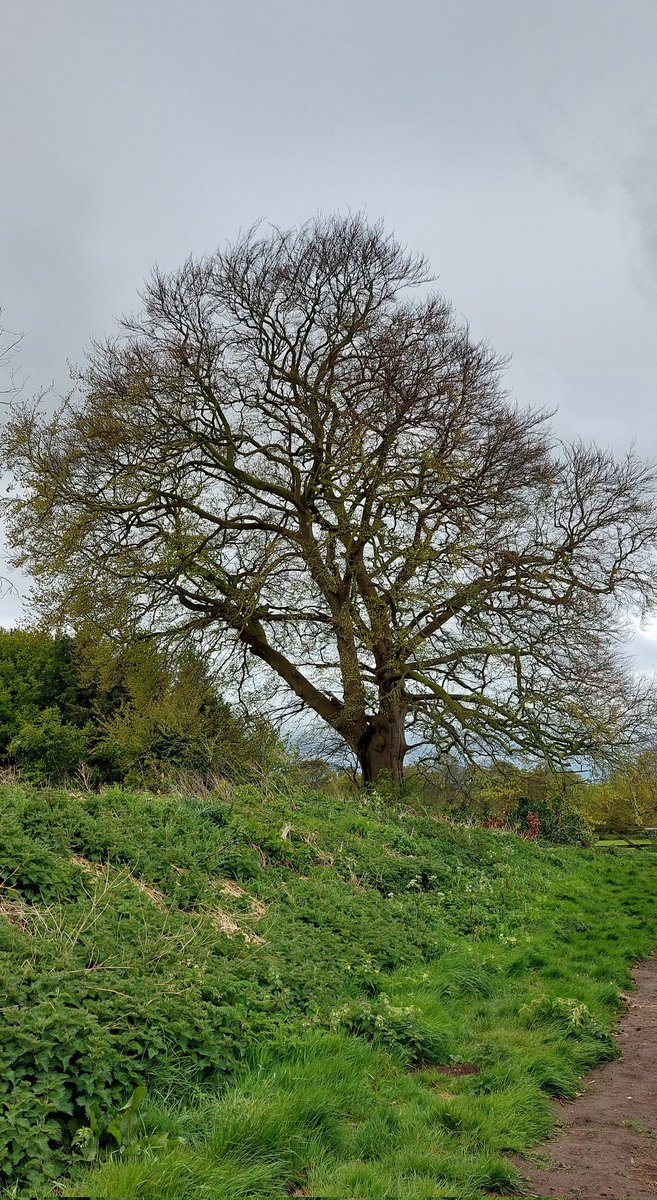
point(627, 799)
point(571, 1015)
point(288, 974)
point(123, 1131)
point(45, 748)
point(537, 802)
point(157, 714)
point(392, 1025)
point(34, 869)
point(37, 673)
point(55, 1059)
point(84, 708)
point(550, 817)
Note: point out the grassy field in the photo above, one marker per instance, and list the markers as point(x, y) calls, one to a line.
point(273, 994)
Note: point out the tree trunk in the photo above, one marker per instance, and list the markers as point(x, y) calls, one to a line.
point(383, 746)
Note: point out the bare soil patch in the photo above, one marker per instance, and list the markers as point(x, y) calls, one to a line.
point(441, 1069)
point(605, 1147)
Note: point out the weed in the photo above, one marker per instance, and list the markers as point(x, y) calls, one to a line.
point(639, 1128)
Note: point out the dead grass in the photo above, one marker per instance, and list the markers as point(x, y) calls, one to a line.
point(223, 921)
point(156, 898)
point(15, 910)
point(94, 869)
point(100, 870)
point(258, 909)
point(231, 924)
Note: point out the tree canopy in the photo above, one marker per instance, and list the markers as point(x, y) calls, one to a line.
point(296, 448)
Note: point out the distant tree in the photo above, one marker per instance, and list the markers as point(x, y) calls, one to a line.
point(627, 798)
point(295, 449)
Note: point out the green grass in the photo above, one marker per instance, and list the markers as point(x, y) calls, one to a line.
point(626, 841)
point(291, 1029)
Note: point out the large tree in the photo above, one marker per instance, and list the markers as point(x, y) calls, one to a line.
point(297, 446)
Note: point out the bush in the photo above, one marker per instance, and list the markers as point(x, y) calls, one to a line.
point(135, 715)
point(551, 818)
point(55, 1059)
point(47, 750)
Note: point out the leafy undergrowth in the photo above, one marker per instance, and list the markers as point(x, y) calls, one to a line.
point(321, 997)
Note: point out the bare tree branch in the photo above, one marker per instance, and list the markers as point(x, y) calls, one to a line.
point(293, 446)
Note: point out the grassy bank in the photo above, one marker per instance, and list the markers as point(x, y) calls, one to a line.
point(320, 997)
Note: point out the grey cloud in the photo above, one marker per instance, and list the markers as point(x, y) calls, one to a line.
point(640, 182)
point(512, 140)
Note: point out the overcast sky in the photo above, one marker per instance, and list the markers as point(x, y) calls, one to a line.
point(514, 141)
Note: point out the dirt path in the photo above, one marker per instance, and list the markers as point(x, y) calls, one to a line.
point(606, 1145)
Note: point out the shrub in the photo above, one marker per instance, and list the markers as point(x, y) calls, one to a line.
point(551, 818)
point(135, 714)
point(45, 749)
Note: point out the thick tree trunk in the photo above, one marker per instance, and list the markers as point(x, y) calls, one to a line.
point(383, 746)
